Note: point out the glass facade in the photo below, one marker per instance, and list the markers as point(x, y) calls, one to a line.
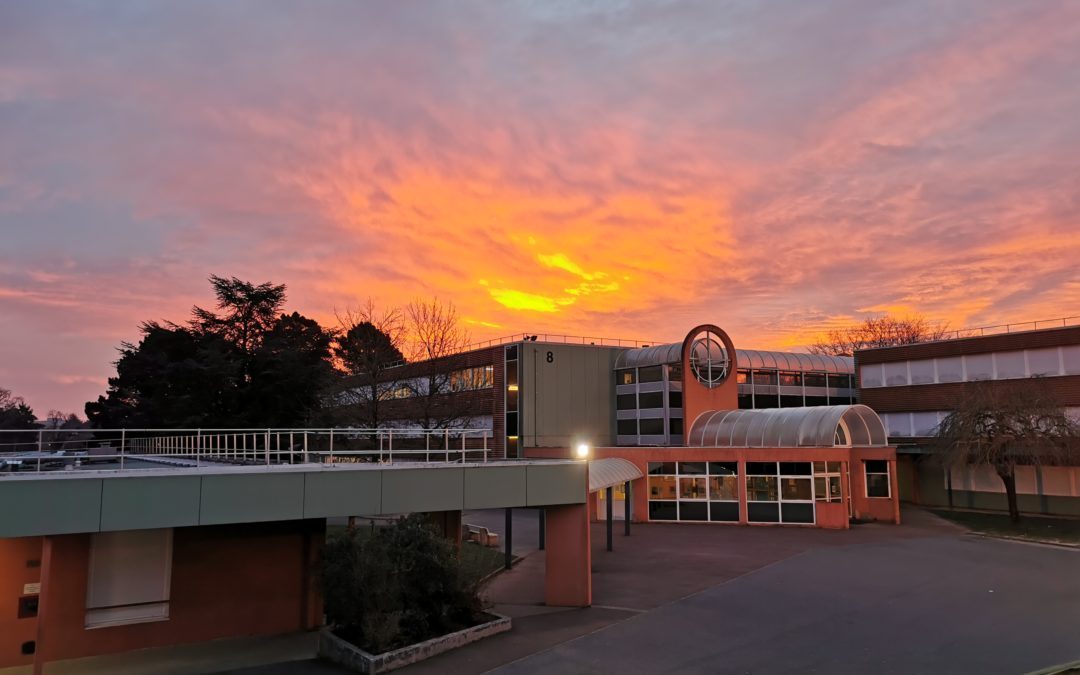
point(780, 492)
point(512, 399)
point(694, 491)
point(1006, 365)
point(767, 388)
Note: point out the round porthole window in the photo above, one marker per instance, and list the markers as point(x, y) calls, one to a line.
point(709, 360)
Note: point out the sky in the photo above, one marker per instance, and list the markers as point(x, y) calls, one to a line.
point(617, 169)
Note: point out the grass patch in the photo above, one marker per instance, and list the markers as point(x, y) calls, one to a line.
point(479, 561)
point(1030, 528)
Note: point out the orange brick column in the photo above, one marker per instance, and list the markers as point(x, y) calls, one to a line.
point(568, 573)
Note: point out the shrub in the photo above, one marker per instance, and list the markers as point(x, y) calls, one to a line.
point(388, 587)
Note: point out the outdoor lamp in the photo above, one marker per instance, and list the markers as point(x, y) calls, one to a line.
point(582, 451)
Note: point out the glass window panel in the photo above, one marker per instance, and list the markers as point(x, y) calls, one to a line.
point(1044, 361)
point(511, 374)
point(1071, 356)
point(625, 376)
point(877, 485)
point(675, 372)
point(675, 425)
point(790, 379)
point(675, 399)
point(746, 402)
point(924, 423)
point(817, 400)
point(662, 487)
point(819, 467)
point(840, 381)
point(663, 511)
point(763, 513)
point(742, 376)
point(723, 488)
point(724, 468)
point(1009, 365)
point(922, 371)
point(652, 427)
point(651, 399)
point(651, 374)
point(761, 489)
point(727, 512)
point(821, 489)
point(761, 468)
point(870, 375)
point(794, 468)
point(896, 374)
point(511, 352)
point(834, 488)
point(814, 379)
point(626, 401)
point(512, 424)
point(692, 488)
point(834, 467)
point(949, 369)
point(693, 510)
point(979, 367)
point(797, 513)
point(897, 424)
point(692, 468)
point(877, 466)
point(764, 376)
point(796, 489)
point(661, 468)
point(791, 401)
point(626, 427)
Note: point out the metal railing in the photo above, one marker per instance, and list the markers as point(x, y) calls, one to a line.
point(127, 449)
point(1005, 328)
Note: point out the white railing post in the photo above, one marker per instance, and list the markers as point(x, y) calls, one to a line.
point(446, 445)
point(198, 442)
point(331, 445)
point(427, 445)
point(305, 447)
point(390, 442)
point(267, 447)
point(40, 443)
point(462, 446)
point(291, 448)
point(485, 445)
point(123, 436)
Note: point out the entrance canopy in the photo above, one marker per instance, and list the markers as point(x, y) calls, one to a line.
point(605, 473)
point(826, 426)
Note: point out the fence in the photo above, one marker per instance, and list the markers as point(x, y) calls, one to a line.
point(125, 449)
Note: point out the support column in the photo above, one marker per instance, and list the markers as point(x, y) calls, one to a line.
point(543, 527)
point(311, 610)
point(43, 604)
point(509, 555)
point(568, 559)
point(626, 508)
point(609, 495)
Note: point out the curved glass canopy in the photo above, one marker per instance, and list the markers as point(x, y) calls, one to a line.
point(825, 426)
point(745, 358)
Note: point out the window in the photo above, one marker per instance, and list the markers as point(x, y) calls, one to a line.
point(694, 491)
point(652, 426)
point(877, 477)
point(814, 379)
point(840, 381)
point(1009, 365)
point(675, 426)
point(1044, 361)
point(675, 372)
point(922, 371)
point(870, 375)
point(827, 486)
point(742, 377)
point(651, 399)
point(626, 427)
point(626, 401)
point(746, 402)
point(764, 377)
point(780, 492)
point(651, 374)
point(469, 379)
point(625, 376)
point(979, 367)
point(895, 374)
point(790, 379)
point(950, 369)
point(791, 401)
point(512, 423)
point(129, 577)
point(675, 399)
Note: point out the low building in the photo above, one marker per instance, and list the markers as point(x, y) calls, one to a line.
point(913, 387)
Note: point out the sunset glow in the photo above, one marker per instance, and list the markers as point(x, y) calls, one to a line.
point(778, 169)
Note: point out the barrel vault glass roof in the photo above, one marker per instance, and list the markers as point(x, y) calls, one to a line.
point(745, 358)
point(809, 427)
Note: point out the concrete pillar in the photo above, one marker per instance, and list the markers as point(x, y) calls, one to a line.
point(609, 496)
point(568, 571)
point(627, 495)
point(311, 610)
point(44, 596)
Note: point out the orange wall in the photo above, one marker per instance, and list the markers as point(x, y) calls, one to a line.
point(226, 581)
point(568, 557)
point(14, 573)
point(697, 398)
point(829, 515)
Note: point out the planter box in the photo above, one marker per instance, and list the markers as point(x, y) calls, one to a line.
point(332, 648)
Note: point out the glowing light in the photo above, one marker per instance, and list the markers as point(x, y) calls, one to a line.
point(512, 387)
point(582, 451)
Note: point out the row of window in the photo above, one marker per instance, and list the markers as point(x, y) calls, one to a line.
point(466, 379)
point(785, 378)
point(776, 492)
point(648, 427)
point(759, 400)
point(648, 374)
point(647, 400)
point(1046, 362)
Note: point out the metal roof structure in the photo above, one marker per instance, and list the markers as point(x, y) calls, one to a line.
point(808, 427)
point(605, 473)
point(745, 358)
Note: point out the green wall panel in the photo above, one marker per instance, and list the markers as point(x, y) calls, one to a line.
point(49, 506)
point(353, 492)
point(251, 498)
point(138, 503)
point(556, 484)
point(494, 487)
point(409, 490)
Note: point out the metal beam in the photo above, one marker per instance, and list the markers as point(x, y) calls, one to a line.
point(609, 495)
point(509, 557)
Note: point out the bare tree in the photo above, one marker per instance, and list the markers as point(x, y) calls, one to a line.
point(884, 331)
point(1005, 425)
point(369, 348)
point(434, 332)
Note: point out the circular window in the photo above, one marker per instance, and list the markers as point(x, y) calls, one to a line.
point(708, 359)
